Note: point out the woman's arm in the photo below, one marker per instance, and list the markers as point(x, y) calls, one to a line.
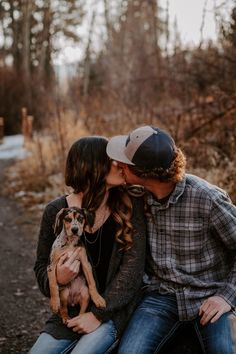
point(45, 241)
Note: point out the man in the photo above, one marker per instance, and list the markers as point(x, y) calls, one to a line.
point(190, 271)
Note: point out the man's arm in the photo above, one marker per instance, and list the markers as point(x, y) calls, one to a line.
point(222, 225)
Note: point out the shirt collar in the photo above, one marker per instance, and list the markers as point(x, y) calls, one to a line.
point(177, 192)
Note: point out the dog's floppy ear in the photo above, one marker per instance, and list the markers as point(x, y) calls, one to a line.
point(59, 221)
point(89, 217)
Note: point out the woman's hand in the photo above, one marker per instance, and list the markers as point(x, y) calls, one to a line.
point(68, 267)
point(84, 323)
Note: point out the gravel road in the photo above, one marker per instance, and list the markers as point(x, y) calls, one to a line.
point(23, 309)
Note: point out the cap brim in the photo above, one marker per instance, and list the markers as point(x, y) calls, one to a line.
point(116, 149)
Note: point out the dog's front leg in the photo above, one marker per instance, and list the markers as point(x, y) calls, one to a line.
point(87, 269)
point(54, 291)
point(64, 294)
point(84, 299)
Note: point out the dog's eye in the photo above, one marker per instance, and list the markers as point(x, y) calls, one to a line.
point(80, 219)
point(68, 219)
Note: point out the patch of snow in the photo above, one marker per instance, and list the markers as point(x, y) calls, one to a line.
point(20, 194)
point(12, 147)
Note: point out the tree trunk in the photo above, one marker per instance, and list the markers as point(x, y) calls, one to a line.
point(27, 8)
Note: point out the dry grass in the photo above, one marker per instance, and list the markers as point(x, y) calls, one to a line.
point(40, 176)
point(223, 178)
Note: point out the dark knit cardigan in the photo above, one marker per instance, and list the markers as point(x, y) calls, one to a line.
point(124, 278)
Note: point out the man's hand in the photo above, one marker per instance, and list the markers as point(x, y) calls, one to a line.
point(85, 323)
point(212, 308)
point(68, 267)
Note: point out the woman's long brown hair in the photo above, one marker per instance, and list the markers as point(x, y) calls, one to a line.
point(87, 166)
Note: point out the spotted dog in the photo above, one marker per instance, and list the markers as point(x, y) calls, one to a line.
point(69, 227)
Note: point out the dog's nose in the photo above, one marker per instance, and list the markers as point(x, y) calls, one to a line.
point(74, 229)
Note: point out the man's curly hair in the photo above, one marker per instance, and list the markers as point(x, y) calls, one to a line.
point(174, 173)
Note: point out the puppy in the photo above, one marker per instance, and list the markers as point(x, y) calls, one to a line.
point(69, 227)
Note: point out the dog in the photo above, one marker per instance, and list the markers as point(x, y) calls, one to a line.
point(69, 226)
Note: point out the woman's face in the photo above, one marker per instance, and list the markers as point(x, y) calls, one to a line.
point(115, 176)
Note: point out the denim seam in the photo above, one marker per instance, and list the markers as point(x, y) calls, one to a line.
point(114, 332)
point(199, 338)
point(173, 329)
point(71, 346)
point(112, 347)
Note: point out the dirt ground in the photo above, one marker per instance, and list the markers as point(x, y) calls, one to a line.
point(22, 307)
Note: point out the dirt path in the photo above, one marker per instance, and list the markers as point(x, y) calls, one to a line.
point(23, 309)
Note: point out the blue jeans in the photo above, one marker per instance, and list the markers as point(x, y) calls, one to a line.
point(156, 319)
point(97, 342)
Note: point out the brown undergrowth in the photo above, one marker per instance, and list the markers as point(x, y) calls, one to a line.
point(39, 178)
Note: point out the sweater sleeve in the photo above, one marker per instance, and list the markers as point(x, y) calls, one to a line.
point(126, 278)
point(45, 241)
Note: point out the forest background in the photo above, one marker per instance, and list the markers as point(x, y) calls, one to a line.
point(134, 69)
point(139, 72)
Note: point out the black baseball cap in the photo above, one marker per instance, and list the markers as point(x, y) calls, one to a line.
point(144, 147)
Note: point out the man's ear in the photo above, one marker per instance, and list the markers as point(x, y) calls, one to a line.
point(59, 221)
point(89, 217)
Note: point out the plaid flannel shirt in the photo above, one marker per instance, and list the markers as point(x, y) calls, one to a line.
point(192, 245)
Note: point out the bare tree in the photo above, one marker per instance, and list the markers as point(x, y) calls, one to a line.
point(31, 29)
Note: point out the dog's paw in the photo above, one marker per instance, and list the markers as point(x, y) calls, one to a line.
point(99, 301)
point(55, 305)
point(65, 320)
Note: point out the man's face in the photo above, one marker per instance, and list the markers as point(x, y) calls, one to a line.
point(129, 177)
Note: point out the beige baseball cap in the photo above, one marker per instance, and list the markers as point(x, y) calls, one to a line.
point(144, 147)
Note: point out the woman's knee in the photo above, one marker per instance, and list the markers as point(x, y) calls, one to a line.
point(47, 344)
point(97, 342)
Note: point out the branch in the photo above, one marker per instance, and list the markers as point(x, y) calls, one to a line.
point(209, 121)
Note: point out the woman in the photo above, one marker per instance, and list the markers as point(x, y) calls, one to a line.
point(116, 250)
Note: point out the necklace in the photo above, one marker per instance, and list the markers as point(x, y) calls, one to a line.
point(101, 215)
point(99, 232)
point(99, 238)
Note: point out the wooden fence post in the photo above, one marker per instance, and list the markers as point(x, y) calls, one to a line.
point(27, 126)
point(30, 120)
point(24, 123)
point(1, 129)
